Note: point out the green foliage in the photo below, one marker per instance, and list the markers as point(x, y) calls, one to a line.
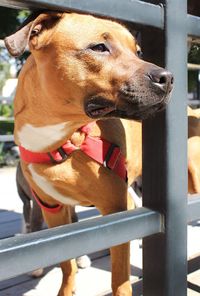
point(6, 127)
point(4, 68)
point(194, 54)
point(192, 81)
point(22, 15)
point(6, 156)
point(6, 110)
point(10, 19)
point(193, 58)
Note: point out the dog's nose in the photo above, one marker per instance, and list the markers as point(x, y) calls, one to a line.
point(162, 79)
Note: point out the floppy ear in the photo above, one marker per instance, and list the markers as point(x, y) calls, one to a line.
point(32, 27)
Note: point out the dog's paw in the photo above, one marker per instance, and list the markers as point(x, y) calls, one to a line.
point(83, 261)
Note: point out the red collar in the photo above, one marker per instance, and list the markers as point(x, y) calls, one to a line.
point(102, 151)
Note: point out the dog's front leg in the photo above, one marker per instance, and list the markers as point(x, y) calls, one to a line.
point(120, 255)
point(69, 268)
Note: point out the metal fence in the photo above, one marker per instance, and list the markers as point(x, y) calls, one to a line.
point(162, 221)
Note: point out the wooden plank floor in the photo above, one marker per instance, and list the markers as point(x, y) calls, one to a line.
point(92, 281)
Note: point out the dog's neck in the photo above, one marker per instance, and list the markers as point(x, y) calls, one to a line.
point(41, 129)
point(45, 138)
point(43, 119)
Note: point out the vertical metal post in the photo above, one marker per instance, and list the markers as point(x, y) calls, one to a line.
point(165, 169)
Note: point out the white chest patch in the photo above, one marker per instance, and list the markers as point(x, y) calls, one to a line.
point(49, 189)
point(38, 138)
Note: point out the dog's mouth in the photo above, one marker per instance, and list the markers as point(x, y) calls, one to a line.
point(98, 107)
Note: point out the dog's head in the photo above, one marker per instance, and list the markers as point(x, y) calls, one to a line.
point(94, 64)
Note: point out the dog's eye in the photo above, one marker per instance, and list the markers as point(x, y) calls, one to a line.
point(101, 47)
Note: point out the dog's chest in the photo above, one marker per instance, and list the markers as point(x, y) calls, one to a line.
point(49, 187)
point(39, 138)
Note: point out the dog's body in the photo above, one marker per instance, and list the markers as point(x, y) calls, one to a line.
point(193, 151)
point(82, 70)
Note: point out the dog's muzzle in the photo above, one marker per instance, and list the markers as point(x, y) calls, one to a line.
point(138, 98)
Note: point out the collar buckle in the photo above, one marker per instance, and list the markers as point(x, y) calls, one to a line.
point(107, 163)
point(58, 156)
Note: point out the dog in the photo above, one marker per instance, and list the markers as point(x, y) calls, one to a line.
point(193, 151)
point(77, 96)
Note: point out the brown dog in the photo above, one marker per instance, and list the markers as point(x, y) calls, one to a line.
point(83, 70)
point(193, 151)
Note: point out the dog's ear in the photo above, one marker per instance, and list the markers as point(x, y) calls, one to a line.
point(30, 30)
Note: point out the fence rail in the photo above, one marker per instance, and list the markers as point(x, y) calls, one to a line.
point(125, 10)
point(80, 238)
point(74, 240)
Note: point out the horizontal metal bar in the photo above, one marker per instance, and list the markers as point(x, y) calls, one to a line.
point(193, 207)
point(193, 67)
point(194, 263)
point(129, 10)
point(194, 287)
point(193, 25)
point(31, 251)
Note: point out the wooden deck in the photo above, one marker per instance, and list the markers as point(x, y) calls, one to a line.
point(92, 281)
